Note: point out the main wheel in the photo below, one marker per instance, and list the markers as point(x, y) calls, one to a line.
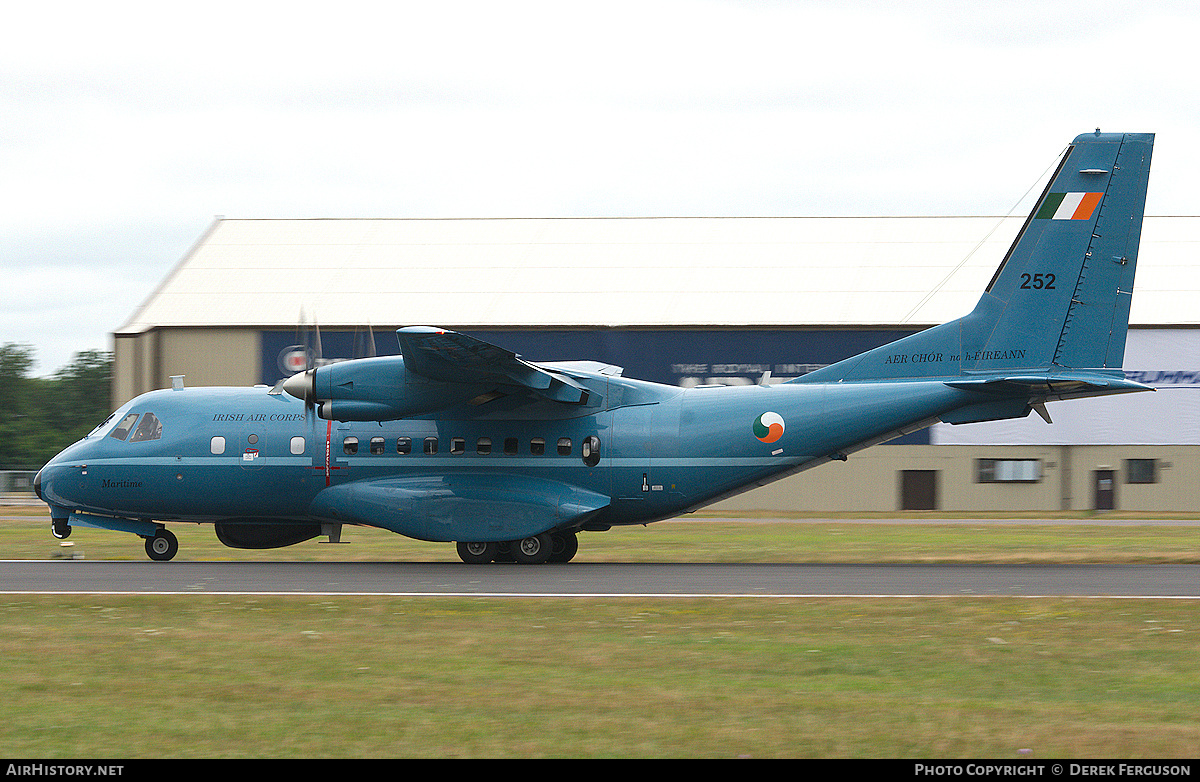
point(476, 553)
point(565, 544)
point(533, 550)
point(162, 546)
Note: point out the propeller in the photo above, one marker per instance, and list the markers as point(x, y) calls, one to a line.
point(302, 385)
point(369, 343)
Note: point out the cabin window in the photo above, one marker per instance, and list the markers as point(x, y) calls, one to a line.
point(378, 446)
point(297, 445)
point(217, 445)
point(403, 445)
point(458, 445)
point(510, 446)
point(564, 446)
point(122, 430)
point(591, 451)
point(483, 446)
point(350, 446)
point(150, 428)
point(431, 446)
point(537, 446)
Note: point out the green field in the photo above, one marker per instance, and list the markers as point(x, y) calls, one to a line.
point(211, 676)
point(25, 534)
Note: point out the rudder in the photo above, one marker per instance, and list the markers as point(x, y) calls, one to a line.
point(1061, 296)
point(1070, 272)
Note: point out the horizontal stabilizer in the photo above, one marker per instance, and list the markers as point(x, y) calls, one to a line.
point(1058, 385)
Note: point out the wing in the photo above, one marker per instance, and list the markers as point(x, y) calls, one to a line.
point(449, 357)
point(438, 370)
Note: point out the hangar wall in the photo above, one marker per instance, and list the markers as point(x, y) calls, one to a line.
point(1146, 446)
point(206, 357)
point(703, 300)
point(1147, 479)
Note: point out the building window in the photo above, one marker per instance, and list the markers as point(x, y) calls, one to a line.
point(1141, 470)
point(1008, 470)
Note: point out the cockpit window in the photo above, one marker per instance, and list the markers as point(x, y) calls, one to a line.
point(122, 430)
point(149, 429)
point(102, 424)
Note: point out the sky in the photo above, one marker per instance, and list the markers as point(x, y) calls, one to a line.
point(127, 128)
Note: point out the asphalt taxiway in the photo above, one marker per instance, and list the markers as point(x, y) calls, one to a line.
point(581, 579)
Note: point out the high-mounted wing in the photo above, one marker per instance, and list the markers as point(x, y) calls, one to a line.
point(438, 369)
point(450, 357)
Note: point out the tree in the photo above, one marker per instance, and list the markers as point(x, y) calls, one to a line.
point(40, 417)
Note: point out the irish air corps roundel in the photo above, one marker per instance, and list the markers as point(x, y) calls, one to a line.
point(768, 427)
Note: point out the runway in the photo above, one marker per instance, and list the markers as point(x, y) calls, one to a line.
point(601, 580)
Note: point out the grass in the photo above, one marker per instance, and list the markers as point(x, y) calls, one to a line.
point(26, 536)
point(209, 676)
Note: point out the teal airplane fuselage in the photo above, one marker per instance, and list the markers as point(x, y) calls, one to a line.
point(460, 440)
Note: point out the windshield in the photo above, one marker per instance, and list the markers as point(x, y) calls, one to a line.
point(149, 429)
point(108, 423)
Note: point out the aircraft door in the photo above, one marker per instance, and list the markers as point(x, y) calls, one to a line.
point(632, 451)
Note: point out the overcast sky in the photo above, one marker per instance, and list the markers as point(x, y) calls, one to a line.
point(126, 128)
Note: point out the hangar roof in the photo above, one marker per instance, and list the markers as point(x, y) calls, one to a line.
point(614, 272)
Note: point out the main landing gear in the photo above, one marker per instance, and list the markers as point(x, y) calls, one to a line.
point(557, 546)
point(162, 546)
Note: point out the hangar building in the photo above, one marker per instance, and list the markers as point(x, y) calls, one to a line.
point(694, 301)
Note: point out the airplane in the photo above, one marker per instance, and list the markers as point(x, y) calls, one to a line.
point(459, 440)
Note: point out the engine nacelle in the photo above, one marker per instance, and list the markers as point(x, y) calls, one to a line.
point(374, 389)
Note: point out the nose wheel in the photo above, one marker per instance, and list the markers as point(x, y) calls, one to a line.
point(162, 546)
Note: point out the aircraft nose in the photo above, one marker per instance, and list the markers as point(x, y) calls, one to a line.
point(37, 484)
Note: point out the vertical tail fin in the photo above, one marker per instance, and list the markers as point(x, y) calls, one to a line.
point(1061, 296)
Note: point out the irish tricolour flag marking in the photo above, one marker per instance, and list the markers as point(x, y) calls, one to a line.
point(1069, 206)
